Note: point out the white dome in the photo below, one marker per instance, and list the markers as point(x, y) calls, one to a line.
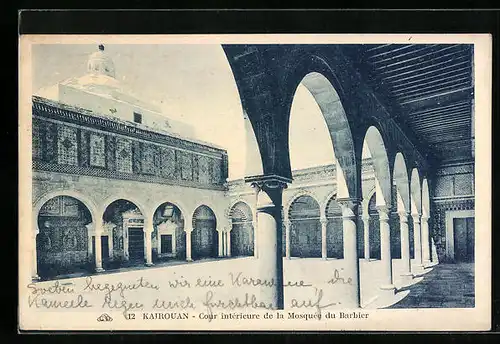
point(101, 64)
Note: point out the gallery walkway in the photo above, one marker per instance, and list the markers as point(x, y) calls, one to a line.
point(447, 285)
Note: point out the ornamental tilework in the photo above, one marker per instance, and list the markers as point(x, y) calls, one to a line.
point(67, 146)
point(97, 150)
point(167, 157)
point(148, 159)
point(216, 171)
point(37, 143)
point(123, 155)
point(203, 174)
point(186, 166)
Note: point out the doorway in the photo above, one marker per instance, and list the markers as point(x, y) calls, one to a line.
point(136, 244)
point(463, 237)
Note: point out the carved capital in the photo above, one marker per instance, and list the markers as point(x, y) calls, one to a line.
point(416, 218)
point(273, 186)
point(349, 207)
point(403, 216)
point(323, 221)
point(383, 213)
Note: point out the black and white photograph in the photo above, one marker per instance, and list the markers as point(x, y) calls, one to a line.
point(261, 182)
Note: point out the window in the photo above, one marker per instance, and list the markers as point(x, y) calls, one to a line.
point(137, 117)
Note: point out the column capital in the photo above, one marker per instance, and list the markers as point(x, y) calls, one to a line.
point(416, 217)
point(403, 216)
point(349, 206)
point(383, 212)
point(323, 221)
point(188, 230)
point(424, 218)
point(272, 185)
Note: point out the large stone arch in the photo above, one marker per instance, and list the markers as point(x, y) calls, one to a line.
point(402, 182)
point(87, 201)
point(380, 161)
point(204, 236)
point(299, 193)
point(185, 213)
point(242, 229)
point(319, 77)
point(339, 128)
point(145, 211)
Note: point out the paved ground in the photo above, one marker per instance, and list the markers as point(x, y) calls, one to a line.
point(446, 286)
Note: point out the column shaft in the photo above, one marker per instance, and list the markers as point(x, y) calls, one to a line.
point(405, 244)
point(288, 224)
point(351, 261)
point(385, 249)
point(220, 244)
point(188, 245)
point(98, 248)
point(34, 268)
point(148, 246)
point(366, 235)
point(324, 252)
point(426, 250)
point(228, 236)
point(417, 244)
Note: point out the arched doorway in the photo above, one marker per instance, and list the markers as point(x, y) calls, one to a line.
point(305, 231)
point(123, 234)
point(169, 238)
point(63, 241)
point(242, 232)
point(204, 236)
point(334, 230)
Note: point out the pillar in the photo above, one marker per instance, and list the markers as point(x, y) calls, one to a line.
point(221, 244)
point(405, 246)
point(351, 262)
point(324, 223)
point(288, 224)
point(426, 249)
point(417, 234)
point(366, 234)
point(256, 189)
point(387, 285)
point(148, 247)
point(34, 268)
point(270, 227)
point(98, 248)
point(188, 244)
point(228, 241)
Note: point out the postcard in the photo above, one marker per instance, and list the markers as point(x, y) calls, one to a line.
point(255, 182)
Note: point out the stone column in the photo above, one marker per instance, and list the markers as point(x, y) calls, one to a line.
point(351, 262)
point(148, 247)
point(34, 268)
point(387, 285)
point(98, 248)
point(417, 243)
point(366, 234)
point(270, 227)
point(324, 223)
point(228, 241)
point(288, 224)
point(188, 244)
point(256, 189)
point(221, 244)
point(426, 249)
point(405, 246)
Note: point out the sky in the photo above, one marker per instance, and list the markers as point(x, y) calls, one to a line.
point(194, 84)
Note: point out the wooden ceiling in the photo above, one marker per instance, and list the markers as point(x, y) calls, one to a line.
point(428, 89)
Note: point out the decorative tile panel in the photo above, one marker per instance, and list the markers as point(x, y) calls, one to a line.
point(148, 159)
point(123, 155)
point(97, 150)
point(186, 164)
point(167, 159)
point(67, 146)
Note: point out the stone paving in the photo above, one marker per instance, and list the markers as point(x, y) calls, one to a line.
point(446, 286)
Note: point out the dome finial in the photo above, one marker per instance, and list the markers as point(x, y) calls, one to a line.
point(101, 47)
